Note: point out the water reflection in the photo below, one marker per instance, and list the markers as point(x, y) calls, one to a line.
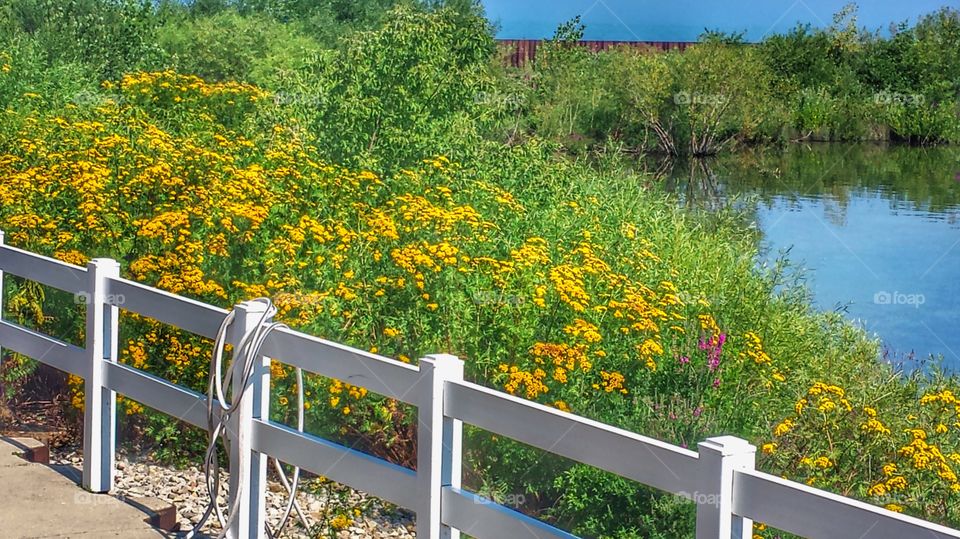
point(698, 186)
point(875, 226)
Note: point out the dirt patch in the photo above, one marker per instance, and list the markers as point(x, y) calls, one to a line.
point(39, 410)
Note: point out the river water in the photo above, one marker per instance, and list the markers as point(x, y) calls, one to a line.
point(874, 228)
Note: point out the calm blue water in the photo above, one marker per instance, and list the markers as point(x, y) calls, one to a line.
point(684, 20)
point(895, 268)
point(877, 230)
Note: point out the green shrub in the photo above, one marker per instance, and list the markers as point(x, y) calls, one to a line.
point(112, 37)
point(388, 96)
point(230, 46)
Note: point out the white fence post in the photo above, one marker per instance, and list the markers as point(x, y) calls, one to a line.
point(719, 457)
point(1, 305)
point(439, 445)
point(248, 467)
point(100, 403)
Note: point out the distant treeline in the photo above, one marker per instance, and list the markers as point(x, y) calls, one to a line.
point(520, 52)
point(839, 83)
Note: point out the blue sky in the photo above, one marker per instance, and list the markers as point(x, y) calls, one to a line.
point(684, 20)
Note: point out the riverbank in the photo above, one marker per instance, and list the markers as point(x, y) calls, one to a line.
point(870, 228)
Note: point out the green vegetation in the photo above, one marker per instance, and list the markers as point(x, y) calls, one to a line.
point(380, 173)
point(838, 83)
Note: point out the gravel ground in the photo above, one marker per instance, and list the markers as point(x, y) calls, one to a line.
point(186, 490)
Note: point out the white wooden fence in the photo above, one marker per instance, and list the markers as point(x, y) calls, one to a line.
point(720, 477)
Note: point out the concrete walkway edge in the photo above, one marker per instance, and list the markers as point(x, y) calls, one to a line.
point(40, 501)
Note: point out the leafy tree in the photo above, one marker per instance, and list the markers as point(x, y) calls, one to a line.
point(389, 94)
point(230, 46)
point(568, 87)
point(647, 84)
point(111, 36)
point(722, 93)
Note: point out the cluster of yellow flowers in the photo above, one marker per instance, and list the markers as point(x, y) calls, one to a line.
point(827, 396)
point(76, 391)
point(222, 210)
point(924, 456)
point(708, 324)
point(530, 382)
point(823, 397)
point(839, 444)
point(134, 355)
point(820, 462)
point(338, 389)
point(754, 349)
point(783, 427)
point(569, 284)
point(582, 329)
point(178, 86)
point(612, 381)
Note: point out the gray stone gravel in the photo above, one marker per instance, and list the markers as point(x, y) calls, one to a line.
point(185, 489)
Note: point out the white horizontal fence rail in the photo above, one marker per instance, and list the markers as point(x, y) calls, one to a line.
point(636, 457)
point(187, 314)
point(25, 341)
point(720, 477)
point(385, 376)
point(817, 514)
point(44, 270)
point(340, 463)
